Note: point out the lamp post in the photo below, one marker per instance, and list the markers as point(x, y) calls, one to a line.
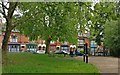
point(86, 45)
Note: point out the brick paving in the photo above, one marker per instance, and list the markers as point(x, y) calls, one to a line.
point(105, 64)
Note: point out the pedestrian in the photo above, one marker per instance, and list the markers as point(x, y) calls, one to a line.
point(71, 52)
point(76, 52)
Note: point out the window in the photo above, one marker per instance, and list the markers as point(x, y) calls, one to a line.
point(15, 46)
point(12, 46)
point(43, 47)
point(13, 38)
point(81, 42)
point(58, 48)
point(22, 46)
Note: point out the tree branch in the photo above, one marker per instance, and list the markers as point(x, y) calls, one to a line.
point(4, 6)
point(20, 22)
point(3, 12)
point(90, 8)
point(11, 9)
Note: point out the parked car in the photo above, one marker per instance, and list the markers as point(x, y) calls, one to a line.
point(78, 53)
point(32, 51)
point(61, 52)
point(41, 52)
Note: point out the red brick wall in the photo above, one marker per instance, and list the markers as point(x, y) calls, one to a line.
point(21, 37)
point(86, 40)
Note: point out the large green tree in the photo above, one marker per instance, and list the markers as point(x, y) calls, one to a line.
point(65, 16)
point(112, 34)
point(112, 37)
point(50, 21)
point(101, 13)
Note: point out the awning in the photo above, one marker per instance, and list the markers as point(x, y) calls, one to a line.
point(64, 46)
point(31, 45)
point(13, 43)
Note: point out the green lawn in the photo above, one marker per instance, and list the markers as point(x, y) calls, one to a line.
point(0, 67)
point(42, 63)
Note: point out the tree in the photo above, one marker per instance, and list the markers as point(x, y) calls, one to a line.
point(59, 13)
point(7, 13)
point(60, 23)
point(112, 34)
point(112, 37)
point(102, 12)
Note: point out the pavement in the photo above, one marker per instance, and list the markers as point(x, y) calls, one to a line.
point(106, 65)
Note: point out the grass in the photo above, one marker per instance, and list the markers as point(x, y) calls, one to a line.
point(42, 63)
point(0, 62)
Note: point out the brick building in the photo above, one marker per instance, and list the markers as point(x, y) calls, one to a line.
point(17, 42)
point(53, 44)
point(82, 39)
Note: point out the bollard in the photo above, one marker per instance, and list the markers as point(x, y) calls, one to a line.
point(104, 52)
point(86, 58)
point(94, 51)
point(86, 52)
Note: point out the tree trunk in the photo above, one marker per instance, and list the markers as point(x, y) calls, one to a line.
point(47, 45)
point(9, 27)
point(5, 42)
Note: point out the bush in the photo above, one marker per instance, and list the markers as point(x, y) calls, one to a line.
point(112, 37)
point(81, 51)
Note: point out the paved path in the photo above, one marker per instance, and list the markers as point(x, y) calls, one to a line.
point(105, 64)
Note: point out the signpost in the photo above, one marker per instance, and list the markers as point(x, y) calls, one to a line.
point(84, 53)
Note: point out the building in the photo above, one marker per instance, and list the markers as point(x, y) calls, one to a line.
point(53, 44)
point(82, 39)
point(17, 42)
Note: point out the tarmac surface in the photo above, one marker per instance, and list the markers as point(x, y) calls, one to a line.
point(106, 65)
